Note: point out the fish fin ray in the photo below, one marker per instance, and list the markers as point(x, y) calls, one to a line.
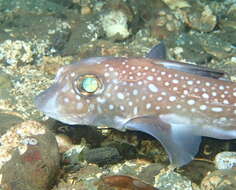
point(180, 145)
point(195, 69)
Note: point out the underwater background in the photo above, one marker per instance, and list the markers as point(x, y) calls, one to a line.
point(37, 37)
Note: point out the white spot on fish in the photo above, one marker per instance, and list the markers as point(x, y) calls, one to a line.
point(77, 97)
point(214, 94)
point(196, 90)
point(135, 92)
point(148, 106)
point(66, 100)
point(163, 93)
point(140, 82)
point(172, 98)
point(72, 74)
point(205, 95)
point(131, 77)
point(163, 73)
point(133, 68)
point(221, 87)
point(203, 107)
point(175, 81)
point(191, 102)
point(185, 92)
point(226, 102)
point(130, 103)
point(79, 106)
point(208, 84)
point(152, 88)
point(157, 107)
point(178, 106)
point(135, 110)
point(159, 98)
point(167, 83)
point(217, 109)
point(158, 78)
point(122, 108)
point(193, 110)
point(101, 100)
point(234, 93)
point(175, 88)
point(190, 82)
point(111, 107)
point(150, 78)
point(106, 74)
point(120, 96)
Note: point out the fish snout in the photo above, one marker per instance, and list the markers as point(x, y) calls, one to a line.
point(46, 100)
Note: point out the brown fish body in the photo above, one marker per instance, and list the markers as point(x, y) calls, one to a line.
point(162, 98)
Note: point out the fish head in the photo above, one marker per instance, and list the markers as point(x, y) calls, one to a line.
point(77, 95)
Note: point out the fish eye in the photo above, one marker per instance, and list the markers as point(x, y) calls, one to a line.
point(88, 84)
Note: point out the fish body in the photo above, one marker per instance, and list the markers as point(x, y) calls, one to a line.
point(174, 102)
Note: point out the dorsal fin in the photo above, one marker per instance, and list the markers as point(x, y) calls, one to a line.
point(194, 69)
point(157, 52)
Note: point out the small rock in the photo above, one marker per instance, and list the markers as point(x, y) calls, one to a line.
point(200, 167)
point(149, 172)
point(171, 180)
point(74, 154)
point(173, 4)
point(165, 24)
point(115, 25)
point(5, 81)
point(201, 18)
point(84, 179)
point(102, 155)
point(18, 51)
point(228, 22)
point(7, 121)
point(216, 46)
point(120, 182)
point(29, 157)
point(220, 180)
point(64, 143)
point(225, 160)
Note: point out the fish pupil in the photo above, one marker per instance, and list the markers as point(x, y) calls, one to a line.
point(90, 84)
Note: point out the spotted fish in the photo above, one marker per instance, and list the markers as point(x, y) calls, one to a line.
point(174, 102)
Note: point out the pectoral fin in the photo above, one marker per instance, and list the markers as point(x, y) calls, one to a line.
point(179, 143)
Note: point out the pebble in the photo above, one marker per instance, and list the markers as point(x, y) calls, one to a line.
point(201, 18)
point(29, 157)
point(165, 24)
point(8, 120)
point(64, 142)
point(171, 180)
point(5, 81)
point(102, 155)
point(120, 182)
point(225, 160)
point(220, 180)
point(115, 25)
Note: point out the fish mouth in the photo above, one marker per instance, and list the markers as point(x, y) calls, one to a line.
point(47, 102)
